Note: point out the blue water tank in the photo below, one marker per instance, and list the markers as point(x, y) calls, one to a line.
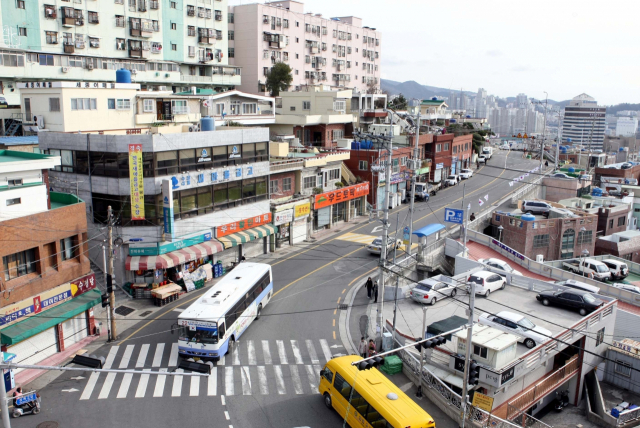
point(621, 149)
point(452, 121)
point(596, 191)
point(468, 117)
point(207, 124)
point(572, 169)
point(123, 76)
point(434, 98)
point(563, 150)
point(528, 217)
point(355, 145)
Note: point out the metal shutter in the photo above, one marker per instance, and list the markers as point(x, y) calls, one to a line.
point(36, 348)
point(74, 329)
point(299, 230)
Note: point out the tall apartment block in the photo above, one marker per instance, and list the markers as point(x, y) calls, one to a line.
point(584, 122)
point(165, 43)
point(339, 52)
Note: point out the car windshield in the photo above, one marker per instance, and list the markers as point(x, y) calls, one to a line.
point(589, 298)
point(524, 322)
point(602, 268)
point(424, 287)
point(623, 266)
point(377, 242)
point(451, 177)
point(208, 336)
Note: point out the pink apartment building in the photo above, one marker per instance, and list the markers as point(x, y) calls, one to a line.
point(332, 51)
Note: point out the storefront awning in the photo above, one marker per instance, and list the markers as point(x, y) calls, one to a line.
point(248, 235)
point(38, 323)
point(174, 258)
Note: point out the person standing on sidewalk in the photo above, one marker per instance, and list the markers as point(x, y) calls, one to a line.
point(372, 348)
point(375, 292)
point(369, 287)
point(362, 348)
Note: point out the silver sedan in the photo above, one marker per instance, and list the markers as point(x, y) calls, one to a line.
point(430, 291)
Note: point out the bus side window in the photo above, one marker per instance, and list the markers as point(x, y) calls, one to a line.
point(327, 374)
point(342, 386)
point(221, 330)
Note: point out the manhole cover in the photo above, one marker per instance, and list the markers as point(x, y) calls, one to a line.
point(145, 313)
point(48, 424)
point(124, 310)
point(343, 306)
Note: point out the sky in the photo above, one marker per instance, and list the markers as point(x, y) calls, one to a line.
point(563, 47)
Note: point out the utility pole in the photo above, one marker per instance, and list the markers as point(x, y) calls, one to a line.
point(395, 290)
point(112, 297)
point(414, 171)
point(465, 380)
point(466, 225)
point(544, 132)
point(4, 406)
point(423, 334)
point(104, 270)
point(385, 239)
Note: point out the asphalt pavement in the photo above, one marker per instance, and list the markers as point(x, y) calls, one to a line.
point(270, 378)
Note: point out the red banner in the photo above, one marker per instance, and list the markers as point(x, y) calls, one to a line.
point(241, 225)
point(340, 195)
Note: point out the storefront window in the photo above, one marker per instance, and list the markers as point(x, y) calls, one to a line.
point(235, 191)
point(167, 163)
point(187, 160)
point(248, 188)
point(261, 188)
point(187, 202)
point(205, 201)
point(220, 196)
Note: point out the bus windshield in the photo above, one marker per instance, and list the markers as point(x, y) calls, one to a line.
point(207, 337)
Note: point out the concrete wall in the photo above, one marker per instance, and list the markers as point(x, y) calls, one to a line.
point(622, 381)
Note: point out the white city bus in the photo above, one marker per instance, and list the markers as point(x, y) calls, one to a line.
point(223, 313)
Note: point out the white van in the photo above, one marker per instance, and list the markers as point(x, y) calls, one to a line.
point(487, 152)
point(571, 283)
point(618, 269)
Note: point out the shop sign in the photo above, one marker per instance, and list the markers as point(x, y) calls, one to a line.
point(340, 195)
point(204, 156)
point(507, 249)
point(136, 181)
point(439, 165)
point(208, 177)
point(302, 210)
point(167, 209)
point(397, 177)
point(283, 217)
point(159, 248)
point(482, 401)
point(498, 379)
point(424, 170)
point(84, 85)
point(239, 226)
point(234, 152)
point(47, 299)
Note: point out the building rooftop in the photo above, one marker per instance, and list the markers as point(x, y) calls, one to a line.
point(11, 160)
point(59, 200)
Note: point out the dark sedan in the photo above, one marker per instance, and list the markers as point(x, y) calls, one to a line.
point(578, 300)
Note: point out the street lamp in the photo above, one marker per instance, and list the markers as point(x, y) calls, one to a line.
point(585, 253)
point(500, 229)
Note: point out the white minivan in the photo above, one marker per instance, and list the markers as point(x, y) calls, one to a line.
point(486, 282)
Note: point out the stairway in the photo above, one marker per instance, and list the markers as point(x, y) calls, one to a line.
point(100, 283)
point(347, 175)
point(13, 128)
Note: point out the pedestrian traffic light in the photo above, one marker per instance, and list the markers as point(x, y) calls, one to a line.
point(473, 373)
point(109, 284)
point(105, 300)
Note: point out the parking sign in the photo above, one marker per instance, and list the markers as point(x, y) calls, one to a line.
point(453, 216)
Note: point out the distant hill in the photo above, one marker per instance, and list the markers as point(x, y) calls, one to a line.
point(624, 106)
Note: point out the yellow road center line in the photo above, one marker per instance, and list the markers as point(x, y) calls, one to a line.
point(334, 322)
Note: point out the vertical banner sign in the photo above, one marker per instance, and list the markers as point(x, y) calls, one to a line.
point(137, 182)
point(167, 210)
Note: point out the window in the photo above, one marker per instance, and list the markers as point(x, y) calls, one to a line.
point(54, 104)
point(286, 184)
point(620, 367)
point(83, 104)
point(51, 37)
point(111, 104)
point(173, 5)
point(585, 237)
point(174, 26)
point(191, 31)
point(22, 31)
point(273, 187)
point(14, 201)
point(15, 182)
point(446, 147)
point(540, 241)
point(66, 248)
point(249, 108)
point(192, 53)
point(230, 18)
point(600, 337)
point(306, 105)
point(363, 165)
point(174, 47)
point(93, 18)
point(568, 238)
point(342, 386)
point(19, 264)
point(148, 105)
point(123, 104)
point(232, 53)
point(119, 21)
point(621, 221)
point(309, 182)
point(327, 374)
point(20, 4)
point(480, 351)
point(340, 105)
point(231, 34)
point(610, 223)
point(179, 107)
point(120, 45)
point(438, 148)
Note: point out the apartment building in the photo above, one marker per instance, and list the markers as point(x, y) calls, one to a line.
point(340, 51)
point(584, 122)
point(165, 43)
point(48, 287)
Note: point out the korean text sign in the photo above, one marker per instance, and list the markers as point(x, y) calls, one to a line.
point(137, 182)
point(241, 225)
point(340, 195)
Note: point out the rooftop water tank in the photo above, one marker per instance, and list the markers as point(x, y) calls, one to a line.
point(207, 124)
point(572, 169)
point(596, 191)
point(528, 217)
point(123, 76)
point(468, 117)
point(434, 98)
point(452, 121)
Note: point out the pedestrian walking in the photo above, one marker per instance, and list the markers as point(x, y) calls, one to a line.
point(372, 348)
point(472, 217)
point(369, 287)
point(375, 292)
point(477, 164)
point(362, 348)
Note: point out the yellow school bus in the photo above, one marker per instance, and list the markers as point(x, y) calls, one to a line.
point(367, 398)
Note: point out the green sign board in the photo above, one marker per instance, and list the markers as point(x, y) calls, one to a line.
point(424, 170)
point(159, 248)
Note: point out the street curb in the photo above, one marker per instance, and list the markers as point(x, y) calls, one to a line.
point(345, 316)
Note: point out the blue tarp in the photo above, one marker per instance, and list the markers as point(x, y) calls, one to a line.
point(429, 229)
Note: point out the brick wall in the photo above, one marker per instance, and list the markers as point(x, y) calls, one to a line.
point(609, 220)
point(279, 178)
point(43, 232)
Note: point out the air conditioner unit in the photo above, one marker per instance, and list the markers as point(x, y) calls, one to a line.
point(194, 128)
point(540, 258)
point(65, 69)
point(89, 66)
point(134, 71)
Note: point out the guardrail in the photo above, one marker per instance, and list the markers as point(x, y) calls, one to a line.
point(627, 416)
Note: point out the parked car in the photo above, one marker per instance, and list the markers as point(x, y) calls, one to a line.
point(451, 180)
point(376, 246)
point(618, 269)
point(536, 207)
point(629, 288)
point(578, 300)
point(626, 166)
point(499, 264)
point(591, 268)
point(486, 282)
point(482, 159)
point(529, 333)
point(562, 175)
point(572, 283)
point(3, 102)
point(466, 173)
point(431, 290)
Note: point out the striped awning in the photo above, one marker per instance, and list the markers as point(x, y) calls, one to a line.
point(173, 258)
point(248, 235)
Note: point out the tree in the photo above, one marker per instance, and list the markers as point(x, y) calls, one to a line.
point(478, 141)
point(279, 78)
point(399, 103)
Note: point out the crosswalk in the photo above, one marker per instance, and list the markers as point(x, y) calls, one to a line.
point(356, 237)
point(251, 368)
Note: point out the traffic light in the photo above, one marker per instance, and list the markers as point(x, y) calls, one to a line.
point(105, 300)
point(109, 284)
point(431, 343)
point(369, 364)
point(473, 373)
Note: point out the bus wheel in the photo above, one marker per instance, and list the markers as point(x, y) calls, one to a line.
point(259, 311)
point(327, 400)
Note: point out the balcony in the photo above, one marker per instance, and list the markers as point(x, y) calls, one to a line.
point(135, 31)
point(69, 47)
point(136, 53)
point(154, 4)
point(374, 113)
point(205, 40)
point(285, 165)
point(68, 22)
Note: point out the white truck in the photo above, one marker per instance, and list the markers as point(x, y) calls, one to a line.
point(424, 190)
point(590, 268)
point(487, 152)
